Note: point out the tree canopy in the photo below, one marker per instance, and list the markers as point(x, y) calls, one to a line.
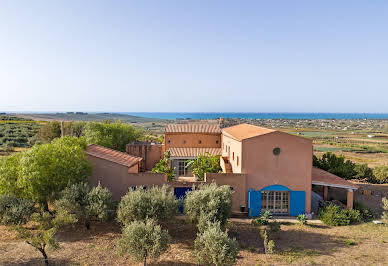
point(44, 170)
point(114, 135)
point(204, 163)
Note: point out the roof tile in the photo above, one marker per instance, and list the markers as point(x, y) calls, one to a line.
point(112, 155)
point(246, 131)
point(193, 128)
point(193, 152)
point(321, 177)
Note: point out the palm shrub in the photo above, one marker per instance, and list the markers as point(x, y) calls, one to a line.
point(164, 167)
point(157, 203)
point(213, 246)
point(84, 204)
point(143, 240)
point(204, 163)
point(209, 202)
point(14, 211)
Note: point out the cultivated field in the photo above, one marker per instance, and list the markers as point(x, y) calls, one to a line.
point(295, 244)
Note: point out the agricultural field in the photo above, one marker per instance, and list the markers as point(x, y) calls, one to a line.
point(362, 244)
point(18, 133)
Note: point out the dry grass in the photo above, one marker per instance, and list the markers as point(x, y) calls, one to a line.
point(295, 244)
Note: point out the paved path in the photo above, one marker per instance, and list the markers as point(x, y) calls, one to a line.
point(278, 219)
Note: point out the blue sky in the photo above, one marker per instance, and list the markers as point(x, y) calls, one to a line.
point(194, 56)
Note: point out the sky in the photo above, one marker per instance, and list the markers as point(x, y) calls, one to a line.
point(194, 56)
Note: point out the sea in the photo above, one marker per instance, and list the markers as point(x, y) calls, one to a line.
point(167, 115)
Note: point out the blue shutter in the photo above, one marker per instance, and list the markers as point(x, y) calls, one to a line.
point(254, 202)
point(297, 202)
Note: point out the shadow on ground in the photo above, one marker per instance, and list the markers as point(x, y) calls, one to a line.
point(38, 262)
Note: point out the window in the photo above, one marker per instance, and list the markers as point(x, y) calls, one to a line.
point(168, 141)
point(276, 151)
point(276, 202)
point(216, 141)
point(184, 141)
point(199, 141)
point(233, 156)
point(237, 160)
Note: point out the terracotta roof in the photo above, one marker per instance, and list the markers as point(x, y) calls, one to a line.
point(246, 131)
point(322, 177)
point(193, 152)
point(193, 128)
point(112, 155)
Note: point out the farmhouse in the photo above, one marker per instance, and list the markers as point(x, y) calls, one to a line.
point(268, 170)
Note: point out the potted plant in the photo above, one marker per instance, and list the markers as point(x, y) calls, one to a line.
point(242, 208)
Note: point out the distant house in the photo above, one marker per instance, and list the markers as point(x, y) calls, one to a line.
point(268, 170)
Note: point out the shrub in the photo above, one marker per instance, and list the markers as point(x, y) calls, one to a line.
point(302, 219)
point(336, 165)
point(366, 213)
point(263, 219)
point(157, 203)
point(213, 246)
point(204, 164)
point(85, 205)
point(269, 245)
point(14, 211)
point(364, 172)
point(274, 226)
point(143, 239)
point(381, 174)
point(350, 242)
point(385, 208)
point(209, 202)
point(336, 216)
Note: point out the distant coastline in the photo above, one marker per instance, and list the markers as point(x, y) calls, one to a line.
point(184, 115)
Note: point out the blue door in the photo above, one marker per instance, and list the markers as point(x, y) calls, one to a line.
point(180, 194)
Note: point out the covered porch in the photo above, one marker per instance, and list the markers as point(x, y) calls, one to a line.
point(328, 181)
point(179, 157)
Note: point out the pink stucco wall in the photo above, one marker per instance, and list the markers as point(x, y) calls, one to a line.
point(291, 168)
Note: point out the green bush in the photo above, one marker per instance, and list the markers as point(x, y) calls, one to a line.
point(336, 165)
point(366, 213)
point(143, 239)
point(213, 246)
point(156, 203)
point(84, 204)
point(209, 202)
point(385, 208)
point(263, 219)
point(336, 216)
point(14, 211)
point(302, 219)
point(381, 174)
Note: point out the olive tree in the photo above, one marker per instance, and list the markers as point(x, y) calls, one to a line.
point(157, 203)
point(9, 171)
point(213, 246)
point(209, 203)
point(143, 240)
point(84, 204)
point(40, 232)
point(14, 211)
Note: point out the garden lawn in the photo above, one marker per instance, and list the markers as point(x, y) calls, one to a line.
point(294, 244)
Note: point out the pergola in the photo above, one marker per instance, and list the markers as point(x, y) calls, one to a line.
point(323, 178)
